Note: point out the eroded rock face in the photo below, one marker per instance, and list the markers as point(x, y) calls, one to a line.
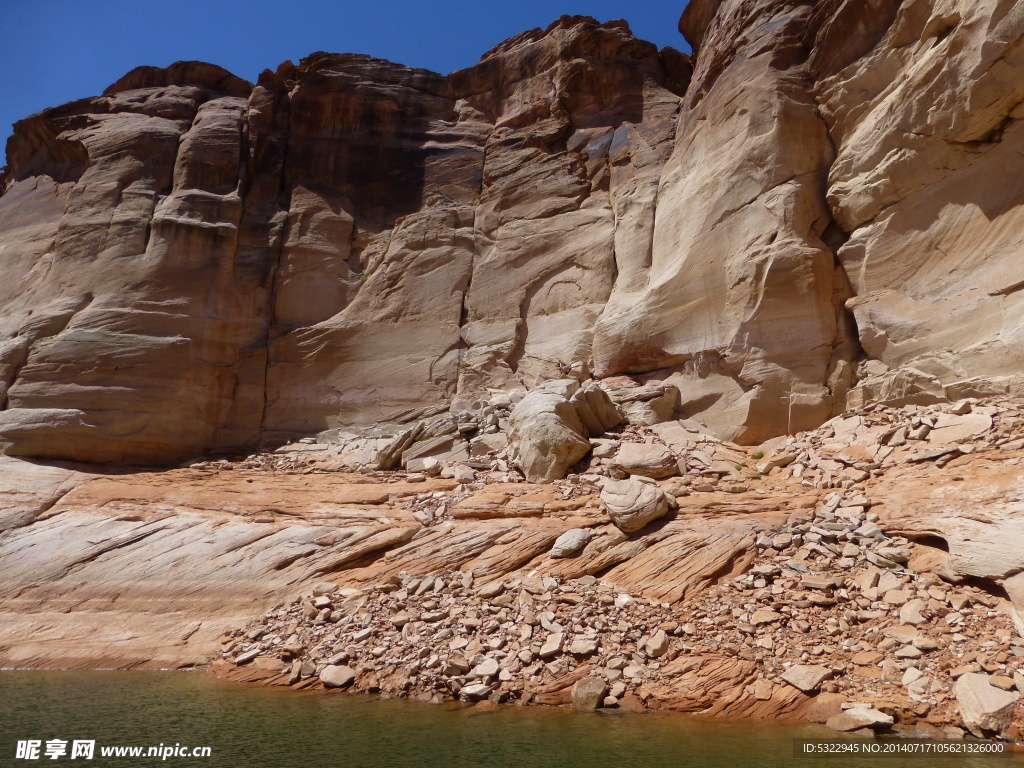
point(927, 183)
point(195, 263)
point(738, 289)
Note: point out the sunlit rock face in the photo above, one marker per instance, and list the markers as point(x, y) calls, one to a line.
point(198, 264)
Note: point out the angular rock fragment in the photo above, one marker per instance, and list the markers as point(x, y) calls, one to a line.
point(807, 678)
point(588, 694)
point(984, 708)
point(336, 676)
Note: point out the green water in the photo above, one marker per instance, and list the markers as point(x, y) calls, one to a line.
point(248, 727)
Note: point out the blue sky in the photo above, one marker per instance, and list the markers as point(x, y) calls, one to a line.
point(60, 50)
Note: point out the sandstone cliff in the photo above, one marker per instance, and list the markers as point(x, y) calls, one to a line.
point(821, 208)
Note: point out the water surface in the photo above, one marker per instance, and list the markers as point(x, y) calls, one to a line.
point(247, 726)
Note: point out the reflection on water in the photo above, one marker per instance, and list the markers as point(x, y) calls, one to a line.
point(264, 728)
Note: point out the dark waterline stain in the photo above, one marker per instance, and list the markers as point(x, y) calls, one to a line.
point(247, 726)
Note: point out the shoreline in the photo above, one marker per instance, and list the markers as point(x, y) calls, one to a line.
point(253, 681)
point(864, 555)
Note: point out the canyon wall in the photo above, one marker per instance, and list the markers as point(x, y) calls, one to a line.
point(819, 208)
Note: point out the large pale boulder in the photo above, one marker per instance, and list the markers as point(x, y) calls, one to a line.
point(548, 428)
point(632, 504)
point(645, 459)
point(545, 435)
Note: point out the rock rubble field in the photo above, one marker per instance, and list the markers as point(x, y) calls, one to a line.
point(841, 612)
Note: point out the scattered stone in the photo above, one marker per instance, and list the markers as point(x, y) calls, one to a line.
point(861, 716)
point(807, 678)
point(337, 676)
point(571, 542)
point(588, 694)
point(983, 707)
point(552, 646)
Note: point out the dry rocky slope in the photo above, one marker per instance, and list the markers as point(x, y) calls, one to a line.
point(512, 356)
point(866, 574)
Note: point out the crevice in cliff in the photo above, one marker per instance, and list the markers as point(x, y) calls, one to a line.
point(282, 135)
point(29, 518)
point(846, 345)
point(52, 502)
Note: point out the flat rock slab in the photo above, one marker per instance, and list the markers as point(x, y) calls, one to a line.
point(859, 717)
point(983, 706)
point(806, 677)
point(336, 676)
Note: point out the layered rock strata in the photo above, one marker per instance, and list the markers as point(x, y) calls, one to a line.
point(198, 264)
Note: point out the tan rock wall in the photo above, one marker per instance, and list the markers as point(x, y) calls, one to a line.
point(195, 263)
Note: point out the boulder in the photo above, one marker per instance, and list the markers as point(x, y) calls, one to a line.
point(583, 646)
point(984, 708)
point(657, 644)
point(858, 717)
point(486, 668)
point(595, 408)
point(475, 691)
point(646, 459)
point(588, 693)
point(642, 405)
point(337, 676)
point(546, 435)
point(632, 504)
point(571, 542)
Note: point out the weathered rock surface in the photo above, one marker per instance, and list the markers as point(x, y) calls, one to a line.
point(341, 243)
point(983, 706)
point(282, 565)
point(810, 229)
point(632, 504)
point(196, 264)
